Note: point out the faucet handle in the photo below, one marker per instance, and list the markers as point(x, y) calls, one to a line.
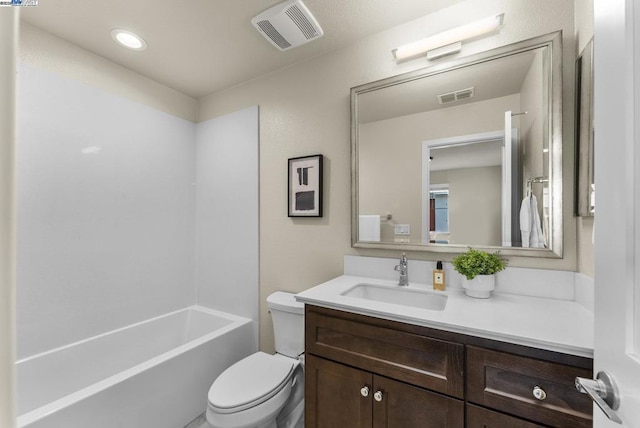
point(403, 268)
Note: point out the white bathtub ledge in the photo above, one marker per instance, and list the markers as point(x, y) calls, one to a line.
point(193, 346)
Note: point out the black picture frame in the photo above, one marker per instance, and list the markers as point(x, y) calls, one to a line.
point(304, 196)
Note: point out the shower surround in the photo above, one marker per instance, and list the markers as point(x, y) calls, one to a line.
point(119, 205)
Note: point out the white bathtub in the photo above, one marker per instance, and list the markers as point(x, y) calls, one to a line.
point(152, 374)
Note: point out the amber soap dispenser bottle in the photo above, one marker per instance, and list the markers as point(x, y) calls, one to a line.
point(438, 277)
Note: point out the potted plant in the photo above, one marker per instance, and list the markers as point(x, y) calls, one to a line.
point(478, 268)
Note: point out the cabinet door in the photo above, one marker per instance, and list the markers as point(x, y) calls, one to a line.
point(333, 395)
point(478, 417)
point(404, 406)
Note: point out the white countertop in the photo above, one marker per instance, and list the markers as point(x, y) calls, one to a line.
point(557, 325)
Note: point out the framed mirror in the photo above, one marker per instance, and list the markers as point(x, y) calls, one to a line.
point(463, 153)
point(584, 204)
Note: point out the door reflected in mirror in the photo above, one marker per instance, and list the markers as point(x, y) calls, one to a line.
point(448, 150)
point(472, 171)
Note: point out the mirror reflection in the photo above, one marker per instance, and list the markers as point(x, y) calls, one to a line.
point(461, 155)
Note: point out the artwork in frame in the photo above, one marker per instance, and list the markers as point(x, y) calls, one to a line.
point(305, 186)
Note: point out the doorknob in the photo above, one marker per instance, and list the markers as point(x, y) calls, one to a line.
point(603, 392)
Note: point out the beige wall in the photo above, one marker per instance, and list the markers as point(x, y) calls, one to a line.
point(475, 204)
point(8, 52)
point(531, 125)
point(395, 147)
point(535, 162)
point(304, 109)
point(584, 23)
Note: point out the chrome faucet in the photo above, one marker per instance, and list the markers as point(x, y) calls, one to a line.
point(404, 270)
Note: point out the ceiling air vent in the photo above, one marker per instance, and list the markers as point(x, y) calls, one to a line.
point(287, 25)
point(462, 94)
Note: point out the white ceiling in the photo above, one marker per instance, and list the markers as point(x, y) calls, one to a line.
point(476, 155)
point(199, 47)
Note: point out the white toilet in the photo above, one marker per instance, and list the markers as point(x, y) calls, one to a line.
point(262, 390)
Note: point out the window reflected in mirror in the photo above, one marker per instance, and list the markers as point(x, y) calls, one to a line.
point(438, 213)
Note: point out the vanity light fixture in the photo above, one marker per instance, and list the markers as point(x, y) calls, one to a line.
point(448, 42)
point(128, 39)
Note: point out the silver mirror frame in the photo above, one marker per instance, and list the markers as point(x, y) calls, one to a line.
point(554, 42)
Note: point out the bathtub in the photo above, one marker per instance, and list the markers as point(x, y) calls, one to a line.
point(154, 374)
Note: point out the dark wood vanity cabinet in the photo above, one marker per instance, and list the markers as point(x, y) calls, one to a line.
point(404, 405)
point(364, 372)
point(539, 390)
point(335, 398)
point(479, 417)
point(332, 395)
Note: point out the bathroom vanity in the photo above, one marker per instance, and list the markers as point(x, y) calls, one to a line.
point(377, 364)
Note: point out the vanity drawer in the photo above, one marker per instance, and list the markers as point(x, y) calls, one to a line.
point(478, 417)
point(386, 348)
point(506, 382)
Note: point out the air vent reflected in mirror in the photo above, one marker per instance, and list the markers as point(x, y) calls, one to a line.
point(450, 97)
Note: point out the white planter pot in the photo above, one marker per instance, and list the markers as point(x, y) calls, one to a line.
point(479, 287)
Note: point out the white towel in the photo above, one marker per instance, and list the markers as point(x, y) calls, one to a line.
point(369, 228)
point(530, 227)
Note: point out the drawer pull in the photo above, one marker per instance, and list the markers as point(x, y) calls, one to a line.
point(539, 393)
point(364, 391)
point(378, 396)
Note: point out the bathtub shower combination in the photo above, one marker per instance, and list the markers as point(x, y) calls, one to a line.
point(153, 374)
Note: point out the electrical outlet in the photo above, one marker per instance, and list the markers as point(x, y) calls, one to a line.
point(402, 229)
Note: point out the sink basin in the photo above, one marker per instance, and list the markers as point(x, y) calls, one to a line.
point(423, 299)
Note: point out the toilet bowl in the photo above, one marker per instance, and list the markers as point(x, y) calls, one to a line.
point(263, 390)
point(253, 392)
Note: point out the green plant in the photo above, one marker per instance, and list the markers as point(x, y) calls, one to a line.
point(478, 262)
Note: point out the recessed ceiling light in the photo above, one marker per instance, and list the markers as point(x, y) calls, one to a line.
point(128, 39)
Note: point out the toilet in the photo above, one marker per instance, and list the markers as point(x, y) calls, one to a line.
point(263, 390)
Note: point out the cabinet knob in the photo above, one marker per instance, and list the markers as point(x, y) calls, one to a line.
point(539, 393)
point(364, 391)
point(377, 396)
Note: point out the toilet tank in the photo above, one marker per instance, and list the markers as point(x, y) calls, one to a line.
point(288, 323)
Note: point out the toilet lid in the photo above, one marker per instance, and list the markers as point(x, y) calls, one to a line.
point(250, 382)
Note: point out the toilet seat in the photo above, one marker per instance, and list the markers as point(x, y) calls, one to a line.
point(250, 382)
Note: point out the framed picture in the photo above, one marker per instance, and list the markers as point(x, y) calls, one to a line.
point(584, 203)
point(305, 186)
